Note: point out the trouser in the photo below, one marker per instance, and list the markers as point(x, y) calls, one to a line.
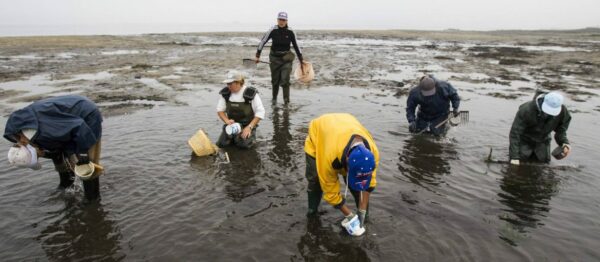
point(226, 140)
point(63, 165)
point(280, 76)
point(314, 191)
point(535, 152)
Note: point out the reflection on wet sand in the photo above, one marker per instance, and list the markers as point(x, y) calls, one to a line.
point(423, 160)
point(324, 244)
point(282, 153)
point(241, 172)
point(83, 233)
point(526, 193)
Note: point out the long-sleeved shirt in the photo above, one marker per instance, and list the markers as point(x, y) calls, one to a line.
point(434, 106)
point(328, 141)
point(282, 38)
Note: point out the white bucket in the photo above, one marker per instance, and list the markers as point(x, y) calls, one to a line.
point(353, 226)
point(233, 129)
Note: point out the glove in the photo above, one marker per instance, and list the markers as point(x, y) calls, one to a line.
point(515, 162)
point(362, 215)
point(455, 112)
point(412, 127)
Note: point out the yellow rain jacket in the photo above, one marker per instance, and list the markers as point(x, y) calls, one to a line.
point(328, 139)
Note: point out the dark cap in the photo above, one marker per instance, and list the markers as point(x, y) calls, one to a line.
point(427, 86)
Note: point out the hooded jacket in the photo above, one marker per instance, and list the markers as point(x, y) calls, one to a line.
point(70, 124)
point(532, 127)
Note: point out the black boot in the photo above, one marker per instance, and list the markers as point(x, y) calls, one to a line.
point(314, 199)
point(66, 179)
point(91, 189)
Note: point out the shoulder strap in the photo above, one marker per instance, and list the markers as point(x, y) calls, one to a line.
point(226, 93)
point(249, 94)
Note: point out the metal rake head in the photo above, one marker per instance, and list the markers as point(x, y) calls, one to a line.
point(464, 116)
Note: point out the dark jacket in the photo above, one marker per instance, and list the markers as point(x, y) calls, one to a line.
point(431, 107)
point(533, 127)
point(282, 38)
point(70, 124)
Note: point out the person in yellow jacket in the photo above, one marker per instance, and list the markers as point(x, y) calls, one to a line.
point(339, 144)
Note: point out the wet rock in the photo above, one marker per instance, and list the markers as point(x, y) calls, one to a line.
point(504, 96)
point(443, 58)
point(493, 80)
point(176, 43)
point(509, 61)
point(552, 85)
point(141, 66)
point(401, 92)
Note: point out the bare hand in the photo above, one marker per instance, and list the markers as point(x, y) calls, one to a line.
point(566, 149)
point(256, 60)
point(246, 132)
point(229, 121)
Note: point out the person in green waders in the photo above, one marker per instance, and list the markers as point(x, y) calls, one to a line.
point(239, 106)
point(281, 57)
point(531, 128)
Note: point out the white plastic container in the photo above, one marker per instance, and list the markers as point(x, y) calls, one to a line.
point(233, 129)
point(353, 226)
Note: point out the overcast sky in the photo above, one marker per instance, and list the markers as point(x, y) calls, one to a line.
point(246, 15)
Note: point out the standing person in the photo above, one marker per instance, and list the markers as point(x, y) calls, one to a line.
point(531, 128)
point(239, 104)
point(63, 129)
point(433, 98)
point(339, 144)
point(281, 57)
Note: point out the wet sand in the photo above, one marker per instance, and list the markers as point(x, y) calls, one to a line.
point(437, 199)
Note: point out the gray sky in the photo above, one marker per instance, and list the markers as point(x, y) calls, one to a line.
point(307, 14)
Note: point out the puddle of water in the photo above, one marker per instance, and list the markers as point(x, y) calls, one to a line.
point(153, 83)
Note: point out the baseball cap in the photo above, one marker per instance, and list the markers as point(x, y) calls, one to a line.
point(361, 163)
point(282, 15)
point(427, 86)
point(23, 156)
point(233, 77)
point(552, 104)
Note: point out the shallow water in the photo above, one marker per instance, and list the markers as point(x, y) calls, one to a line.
point(436, 199)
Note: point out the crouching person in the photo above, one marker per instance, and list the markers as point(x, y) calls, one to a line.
point(339, 144)
point(66, 129)
point(241, 109)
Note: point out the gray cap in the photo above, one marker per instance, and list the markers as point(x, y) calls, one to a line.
point(427, 86)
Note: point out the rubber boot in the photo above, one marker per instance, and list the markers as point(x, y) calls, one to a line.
point(314, 199)
point(356, 195)
point(66, 179)
point(275, 92)
point(91, 189)
point(286, 94)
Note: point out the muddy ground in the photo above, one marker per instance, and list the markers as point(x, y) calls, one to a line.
point(436, 199)
point(124, 73)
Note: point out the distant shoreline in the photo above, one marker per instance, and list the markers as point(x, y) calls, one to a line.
point(55, 31)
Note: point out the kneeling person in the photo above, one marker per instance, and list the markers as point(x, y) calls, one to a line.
point(242, 105)
point(64, 129)
point(339, 144)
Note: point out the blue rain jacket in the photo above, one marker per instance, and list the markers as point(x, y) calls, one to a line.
point(70, 124)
